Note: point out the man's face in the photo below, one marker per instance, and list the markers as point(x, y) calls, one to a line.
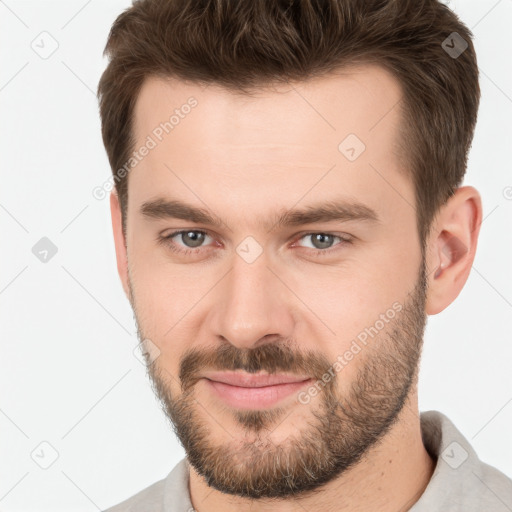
point(335, 303)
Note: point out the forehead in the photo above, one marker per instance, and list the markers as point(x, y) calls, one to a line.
point(351, 100)
point(278, 144)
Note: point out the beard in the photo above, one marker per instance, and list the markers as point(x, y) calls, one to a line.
point(335, 434)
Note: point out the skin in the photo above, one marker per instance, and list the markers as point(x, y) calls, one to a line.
point(244, 159)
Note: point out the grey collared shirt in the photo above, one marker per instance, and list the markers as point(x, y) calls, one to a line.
point(461, 482)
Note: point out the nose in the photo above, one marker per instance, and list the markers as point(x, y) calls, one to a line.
point(253, 305)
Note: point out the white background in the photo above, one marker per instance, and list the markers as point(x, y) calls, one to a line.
point(68, 374)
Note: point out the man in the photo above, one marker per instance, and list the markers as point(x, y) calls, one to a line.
point(287, 211)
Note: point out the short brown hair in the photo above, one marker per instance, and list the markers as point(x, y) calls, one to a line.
point(246, 44)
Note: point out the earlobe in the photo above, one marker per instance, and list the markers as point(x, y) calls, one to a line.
point(119, 241)
point(453, 248)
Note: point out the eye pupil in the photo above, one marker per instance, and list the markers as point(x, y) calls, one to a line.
point(323, 239)
point(196, 237)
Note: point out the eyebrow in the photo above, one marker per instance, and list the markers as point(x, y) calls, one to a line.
point(333, 210)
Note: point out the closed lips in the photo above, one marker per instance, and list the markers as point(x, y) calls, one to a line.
point(247, 380)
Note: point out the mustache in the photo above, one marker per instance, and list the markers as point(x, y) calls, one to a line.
point(270, 358)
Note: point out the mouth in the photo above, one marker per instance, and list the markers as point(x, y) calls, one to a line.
point(249, 391)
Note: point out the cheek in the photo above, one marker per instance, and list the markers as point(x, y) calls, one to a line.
point(162, 299)
point(158, 295)
point(160, 306)
point(355, 304)
point(350, 296)
point(167, 300)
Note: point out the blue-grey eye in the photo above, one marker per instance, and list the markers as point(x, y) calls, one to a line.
point(321, 240)
point(191, 239)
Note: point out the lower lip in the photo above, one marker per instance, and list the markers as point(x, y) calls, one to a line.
point(254, 398)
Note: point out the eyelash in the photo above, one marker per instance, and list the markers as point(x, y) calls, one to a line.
point(166, 240)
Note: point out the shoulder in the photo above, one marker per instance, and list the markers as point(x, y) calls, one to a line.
point(495, 487)
point(149, 499)
point(169, 494)
point(461, 481)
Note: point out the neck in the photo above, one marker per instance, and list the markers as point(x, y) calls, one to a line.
point(390, 478)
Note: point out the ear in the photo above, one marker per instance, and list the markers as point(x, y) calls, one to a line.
point(119, 240)
point(452, 247)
